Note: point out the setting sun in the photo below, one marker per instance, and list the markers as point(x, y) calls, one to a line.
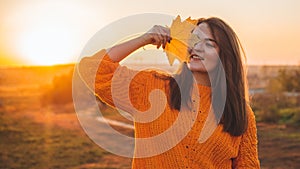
point(46, 45)
point(45, 32)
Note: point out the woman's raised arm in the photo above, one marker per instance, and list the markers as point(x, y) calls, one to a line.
point(99, 70)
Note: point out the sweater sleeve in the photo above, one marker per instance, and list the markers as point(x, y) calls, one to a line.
point(248, 155)
point(116, 85)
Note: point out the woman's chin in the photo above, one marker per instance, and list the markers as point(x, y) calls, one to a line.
point(196, 67)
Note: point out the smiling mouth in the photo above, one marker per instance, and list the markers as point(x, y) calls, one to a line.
point(196, 57)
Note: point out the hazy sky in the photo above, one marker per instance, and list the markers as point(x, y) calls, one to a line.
point(55, 31)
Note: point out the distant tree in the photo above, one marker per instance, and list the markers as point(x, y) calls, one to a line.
point(297, 80)
point(274, 86)
point(286, 81)
point(60, 91)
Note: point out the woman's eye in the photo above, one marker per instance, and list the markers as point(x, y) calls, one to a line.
point(210, 45)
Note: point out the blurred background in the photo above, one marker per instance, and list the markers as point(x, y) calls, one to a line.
point(42, 40)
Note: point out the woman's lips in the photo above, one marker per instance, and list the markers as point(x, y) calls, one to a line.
point(196, 57)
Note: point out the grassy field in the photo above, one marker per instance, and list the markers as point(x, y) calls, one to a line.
point(35, 135)
point(27, 144)
point(41, 136)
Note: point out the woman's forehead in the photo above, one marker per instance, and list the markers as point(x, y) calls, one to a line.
point(203, 31)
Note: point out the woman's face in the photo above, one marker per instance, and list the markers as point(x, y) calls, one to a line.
point(204, 56)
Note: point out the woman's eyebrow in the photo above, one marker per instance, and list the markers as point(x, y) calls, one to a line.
point(205, 39)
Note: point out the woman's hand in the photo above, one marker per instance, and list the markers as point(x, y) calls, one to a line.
point(157, 35)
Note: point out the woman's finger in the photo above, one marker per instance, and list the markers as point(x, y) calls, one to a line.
point(162, 37)
point(164, 31)
point(163, 43)
point(156, 39)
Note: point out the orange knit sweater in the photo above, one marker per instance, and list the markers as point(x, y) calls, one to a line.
point(220, 150)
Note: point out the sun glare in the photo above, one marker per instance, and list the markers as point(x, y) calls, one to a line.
point(48, 32)
point(46, 45)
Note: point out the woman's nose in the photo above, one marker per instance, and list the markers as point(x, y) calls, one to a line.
point(197, 48)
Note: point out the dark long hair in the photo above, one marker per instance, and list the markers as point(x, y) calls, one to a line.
point(234, 118)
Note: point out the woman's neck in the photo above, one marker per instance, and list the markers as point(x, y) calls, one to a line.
point(202, 78)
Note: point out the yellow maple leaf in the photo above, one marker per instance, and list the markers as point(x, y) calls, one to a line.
point(182, 38)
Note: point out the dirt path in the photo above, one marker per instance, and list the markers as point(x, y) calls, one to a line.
point(279, 146)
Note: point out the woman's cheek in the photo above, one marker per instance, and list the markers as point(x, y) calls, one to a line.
point(211, 64)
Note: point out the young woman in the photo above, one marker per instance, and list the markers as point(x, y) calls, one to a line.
point(233, 143)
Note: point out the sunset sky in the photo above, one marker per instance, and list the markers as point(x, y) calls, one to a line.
point(46, 32)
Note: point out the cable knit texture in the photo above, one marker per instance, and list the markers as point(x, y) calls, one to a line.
point(221, 150)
